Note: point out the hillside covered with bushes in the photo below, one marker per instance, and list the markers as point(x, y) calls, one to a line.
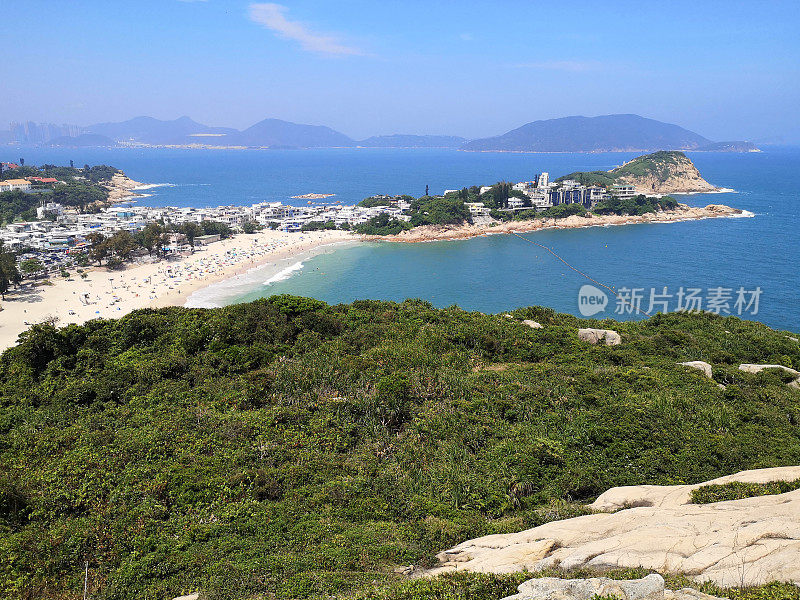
point(290, 449)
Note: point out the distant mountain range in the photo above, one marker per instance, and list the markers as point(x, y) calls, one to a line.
point(274, 133)
point(154, 132)
point(269, 133)
point(607, 133)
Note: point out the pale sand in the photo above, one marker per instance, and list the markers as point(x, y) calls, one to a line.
point(112, 294)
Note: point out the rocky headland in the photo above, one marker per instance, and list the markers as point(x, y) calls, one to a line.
point(121, 187)
point(683, 212)
point(663, 173)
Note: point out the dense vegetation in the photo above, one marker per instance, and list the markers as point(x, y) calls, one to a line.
point(638, 205)
point(736, 490)
point(382, 224)
point(601, 178)
point(18, 205)
point(658, 164)
point(427, 210)
point(374, 201)
point(290, 449)
point(431, 210)
point(81, 188)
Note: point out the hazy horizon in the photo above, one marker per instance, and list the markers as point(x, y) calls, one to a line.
point(728, 71)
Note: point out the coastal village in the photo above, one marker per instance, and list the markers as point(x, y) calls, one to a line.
point(191, 248)
point(60, 230)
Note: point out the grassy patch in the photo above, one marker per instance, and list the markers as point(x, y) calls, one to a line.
point(736, 490)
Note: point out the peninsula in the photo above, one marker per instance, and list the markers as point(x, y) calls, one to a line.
point(634, 192)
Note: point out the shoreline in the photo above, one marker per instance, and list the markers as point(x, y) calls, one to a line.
point(172, 282)
point(281, 266)
point(432, 233)
point(168, 282)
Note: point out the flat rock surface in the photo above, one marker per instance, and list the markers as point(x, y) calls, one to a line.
point(739, 542)
point(647, 588)
point(632, 496)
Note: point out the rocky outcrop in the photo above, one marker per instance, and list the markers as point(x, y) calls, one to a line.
point(121, 187)
point(647, 588)
point(663, 173)
point(533, 324)
point(594, 336)
point(701, 366)
point(735, 543)
point(678, 495)
point(683, 212)
point(751, 368)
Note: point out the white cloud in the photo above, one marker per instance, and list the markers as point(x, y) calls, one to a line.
point(273, 17)
point(561, 65)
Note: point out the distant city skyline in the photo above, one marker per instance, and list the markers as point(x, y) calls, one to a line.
point(726, 70)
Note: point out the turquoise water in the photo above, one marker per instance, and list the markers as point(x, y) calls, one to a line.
point(498, 273)
point(244, 177)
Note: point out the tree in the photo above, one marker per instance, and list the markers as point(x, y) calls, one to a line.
point(438, 211)
point(251, 226)
point(31, 266)
point(79, 194)
point(122, 244)
point(153, 237)
point(216, 228)
point(8, 270)
point(98, 246)
point(191, 230)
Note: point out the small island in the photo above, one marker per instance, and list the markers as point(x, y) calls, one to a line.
point(313, 196)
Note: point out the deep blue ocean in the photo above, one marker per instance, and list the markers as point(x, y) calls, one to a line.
point(498, 273)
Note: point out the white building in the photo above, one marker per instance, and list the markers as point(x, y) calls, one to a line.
point(543, 180)
point(53, 208)
point(623, 191)
point(12, 185)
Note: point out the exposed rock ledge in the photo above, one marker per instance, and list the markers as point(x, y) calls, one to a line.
point(648, 588)
point(683, 212)
point(121, 187)
point(734, 543)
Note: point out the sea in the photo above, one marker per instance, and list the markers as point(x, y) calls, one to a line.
point(747, 266)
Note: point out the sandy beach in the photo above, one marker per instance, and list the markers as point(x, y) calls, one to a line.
point(171, 282)
point(113, 293)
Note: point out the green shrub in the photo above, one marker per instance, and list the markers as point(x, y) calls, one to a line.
point(737, 490)
point(286, 448)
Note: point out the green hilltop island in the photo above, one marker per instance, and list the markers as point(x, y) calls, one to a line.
point(287, 449)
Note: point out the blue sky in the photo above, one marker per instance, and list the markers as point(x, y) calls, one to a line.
point(726, 69)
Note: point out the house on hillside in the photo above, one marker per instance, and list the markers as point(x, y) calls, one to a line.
point(12, 185)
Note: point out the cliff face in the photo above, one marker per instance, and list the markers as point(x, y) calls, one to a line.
point(668, 172)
